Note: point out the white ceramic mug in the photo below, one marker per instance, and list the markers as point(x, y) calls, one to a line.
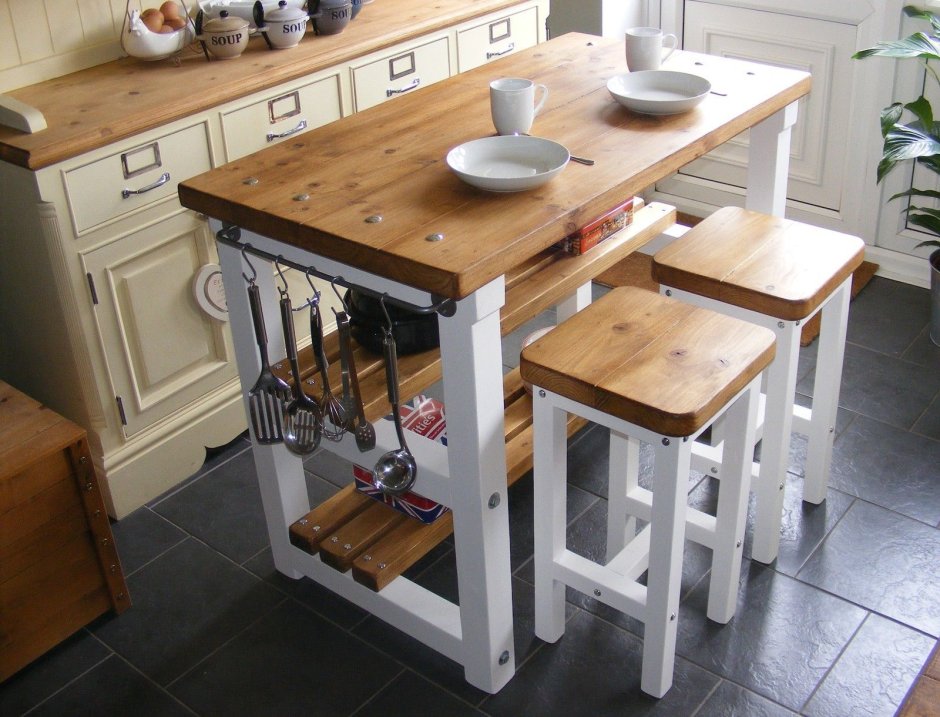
point(645, 47)
point(513, 106)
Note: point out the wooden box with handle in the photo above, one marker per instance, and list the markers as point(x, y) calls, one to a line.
point(59, 568)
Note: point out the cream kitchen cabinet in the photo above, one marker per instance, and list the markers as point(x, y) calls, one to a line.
point(254, 124)
point(497, 38)
point(836, 141)
point(406, 69)
point(104, 277)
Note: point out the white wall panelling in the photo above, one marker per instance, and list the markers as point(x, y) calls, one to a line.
point(837, 142)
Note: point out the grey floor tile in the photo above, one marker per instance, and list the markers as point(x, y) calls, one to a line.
point(311, 594)
point(410, 695)
point(803, 526)
point(327, 465)
point(142, 536)
point(887, 389)
point(594, 669)
point(872, 675)
point(222, 508)
point(923, 351)
point(884, 562)
point(111, 688)
point(782, 640)
point(51, 672)
point(187, 603)
point(929, 422)
point(887, 316)
point(889, 467)
point(731, 700)
point(291, 662)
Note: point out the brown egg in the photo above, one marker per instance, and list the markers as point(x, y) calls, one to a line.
point(153, 19)
point(167, 29)
point(171, 10)
point(177, 23)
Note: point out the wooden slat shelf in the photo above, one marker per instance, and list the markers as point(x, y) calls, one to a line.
point(353, 531)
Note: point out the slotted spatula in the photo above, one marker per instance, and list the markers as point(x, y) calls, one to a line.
point(303, 424)
point(267, 397)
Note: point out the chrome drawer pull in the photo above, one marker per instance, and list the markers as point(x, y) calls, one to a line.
point(302, 125)
point(414, 83)
point(164, 178)
point(491, 55)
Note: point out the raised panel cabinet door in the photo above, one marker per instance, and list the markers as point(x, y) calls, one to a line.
point(280, 116)
point(163, 352)
point(818, 152)
point(497, 38)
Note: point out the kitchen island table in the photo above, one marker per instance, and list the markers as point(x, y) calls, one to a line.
point(370, 199)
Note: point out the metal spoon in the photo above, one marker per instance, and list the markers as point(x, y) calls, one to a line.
point(345, 359)
point(395, 471)
point(582, 160)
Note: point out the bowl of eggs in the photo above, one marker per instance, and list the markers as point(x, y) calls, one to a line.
point(157, 32)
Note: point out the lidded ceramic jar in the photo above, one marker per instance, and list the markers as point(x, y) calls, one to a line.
point(284, 26)
point(331, 16)
point(225, 36)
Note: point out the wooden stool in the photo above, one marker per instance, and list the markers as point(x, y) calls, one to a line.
point(656, 370)
point(776, 273)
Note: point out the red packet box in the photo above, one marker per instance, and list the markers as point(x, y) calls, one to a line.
point(611, 222)
point(425, 416)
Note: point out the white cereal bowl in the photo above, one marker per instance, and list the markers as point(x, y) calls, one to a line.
point(659, 92)
point(510, 163)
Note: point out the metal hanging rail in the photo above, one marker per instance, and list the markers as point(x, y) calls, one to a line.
point(231, 235)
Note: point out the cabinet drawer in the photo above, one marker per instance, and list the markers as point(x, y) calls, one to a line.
point(497, 38)
point(136, 177)
point(404, 71)
point(273, 119)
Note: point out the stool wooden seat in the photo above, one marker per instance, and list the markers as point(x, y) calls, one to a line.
point(777, 273)
point(660, 371)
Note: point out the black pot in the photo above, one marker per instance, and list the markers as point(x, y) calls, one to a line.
point(414, 332)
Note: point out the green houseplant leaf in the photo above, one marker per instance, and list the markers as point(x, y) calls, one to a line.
point(917, 140)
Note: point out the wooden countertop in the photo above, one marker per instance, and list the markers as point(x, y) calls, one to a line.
point(94, 107)
point(389, 161)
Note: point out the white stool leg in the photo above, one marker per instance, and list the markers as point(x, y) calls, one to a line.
point(550, 464)
point(623, 474)
point(731, 515)
point(835, 315)
point(667, 535)
point(775, 444)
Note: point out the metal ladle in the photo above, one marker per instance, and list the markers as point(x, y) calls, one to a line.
point(395, 472)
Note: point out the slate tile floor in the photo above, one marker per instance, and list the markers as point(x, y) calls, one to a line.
point(838, 626)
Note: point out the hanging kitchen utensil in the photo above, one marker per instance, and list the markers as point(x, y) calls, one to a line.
point(303, 424)
point(267, 397)
point(330, 407)
point(395, 472)
point(200, 16)
point(344, 334)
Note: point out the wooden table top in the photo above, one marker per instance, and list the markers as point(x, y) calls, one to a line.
point(103, 104)
point(390, 161)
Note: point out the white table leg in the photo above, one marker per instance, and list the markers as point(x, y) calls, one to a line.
point(622, 477)
point(826, 393)
point(473, 393)
point(283, 489)
point(768, 162)
point(672, 460)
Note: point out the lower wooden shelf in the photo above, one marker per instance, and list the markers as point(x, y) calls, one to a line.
point(351, 531)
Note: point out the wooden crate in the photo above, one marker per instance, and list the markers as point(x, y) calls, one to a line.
point(59, 568)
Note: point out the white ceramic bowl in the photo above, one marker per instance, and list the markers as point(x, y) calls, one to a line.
point(507, 163)
point(659, 92)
